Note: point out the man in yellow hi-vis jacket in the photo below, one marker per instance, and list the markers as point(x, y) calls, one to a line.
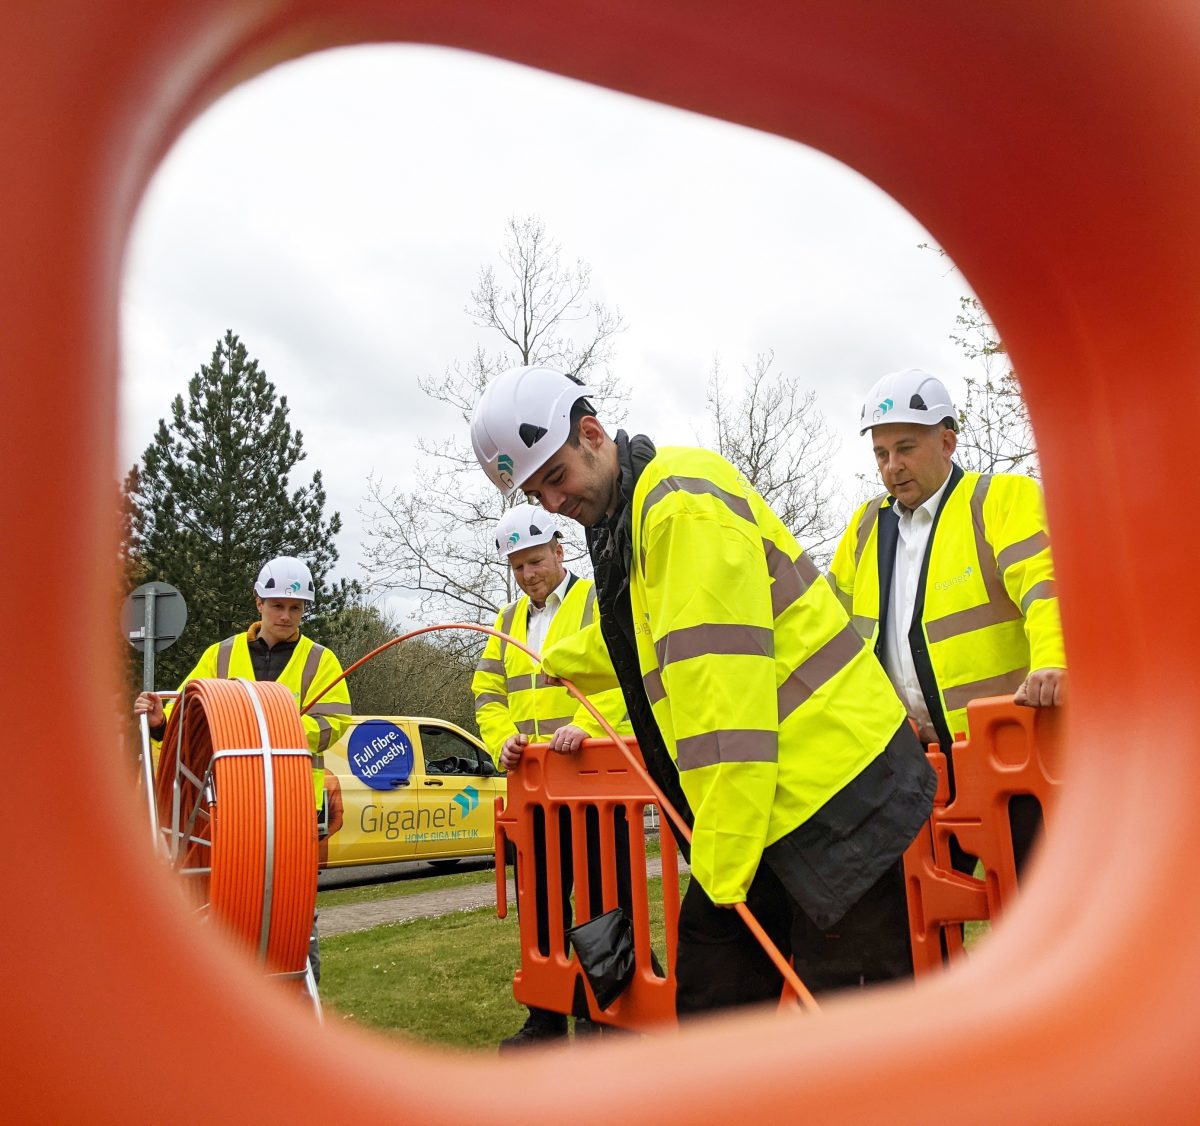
point(948, 576)
point(274, 649)
point(511, 698)
point(515, 706)
point(747, 687)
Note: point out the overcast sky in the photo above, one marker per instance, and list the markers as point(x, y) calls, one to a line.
point(335, 213)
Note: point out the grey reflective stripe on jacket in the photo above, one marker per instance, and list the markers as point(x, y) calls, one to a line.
point(699, 641)
point(697, 486)
point(1003, 685)
point(506, 623)
point(792, 578)
point(870, 517)
point(817, 669)
point(321, 709)
point(999, 607)
point(863, 624)
point(224, 655)
point(318, 712)
point(712, 747)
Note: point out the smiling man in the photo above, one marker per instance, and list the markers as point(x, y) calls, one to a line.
point(515, 706)
point(948, 575)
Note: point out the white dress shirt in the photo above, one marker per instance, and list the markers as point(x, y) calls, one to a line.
point(539, 620)
point(914, 526)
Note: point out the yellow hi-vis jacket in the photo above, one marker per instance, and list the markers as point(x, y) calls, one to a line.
point(511, 693)
point(311, 668)
point(986, 612)
point(767, 699)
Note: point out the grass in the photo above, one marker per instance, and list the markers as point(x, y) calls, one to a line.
point(445, 981)
point(394, 889)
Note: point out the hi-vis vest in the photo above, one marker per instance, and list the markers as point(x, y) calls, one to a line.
point(511, 693)
point(986, 609)
point(767, 699)
point(311, 668)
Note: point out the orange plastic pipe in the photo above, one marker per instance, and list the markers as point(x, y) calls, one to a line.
point(790, 977)
point(1052, 150)
point(271, 920)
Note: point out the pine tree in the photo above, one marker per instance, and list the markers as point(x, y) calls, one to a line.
point(213, 503)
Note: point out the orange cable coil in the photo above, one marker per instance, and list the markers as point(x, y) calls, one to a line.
point(219, 723)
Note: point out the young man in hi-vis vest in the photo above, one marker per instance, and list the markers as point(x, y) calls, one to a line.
point(273, 648)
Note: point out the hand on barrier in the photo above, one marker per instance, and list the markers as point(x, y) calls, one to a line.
point(1043, 688)
point(510, 753)
point(568, 740)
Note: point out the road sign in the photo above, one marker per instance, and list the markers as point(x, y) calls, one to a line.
point(152, 618)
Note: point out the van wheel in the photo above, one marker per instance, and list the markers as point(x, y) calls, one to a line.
point(444, 865)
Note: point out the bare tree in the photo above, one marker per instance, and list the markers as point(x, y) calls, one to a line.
point(436, 541)
point(428, 675)
point(775, 434)
point(995, 434)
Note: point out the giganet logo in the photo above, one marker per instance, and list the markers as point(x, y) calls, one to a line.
point(467, 800)
point(504, 468)
point(946, 584)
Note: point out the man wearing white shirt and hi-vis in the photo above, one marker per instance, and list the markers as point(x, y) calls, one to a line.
point(950, 576)
point(515, 706)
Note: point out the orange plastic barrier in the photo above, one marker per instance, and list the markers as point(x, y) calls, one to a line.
point(1052, 150)
point(1012, 751)
point(594, 786)
point(247, 841)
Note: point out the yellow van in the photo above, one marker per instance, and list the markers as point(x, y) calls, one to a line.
point(403, 788)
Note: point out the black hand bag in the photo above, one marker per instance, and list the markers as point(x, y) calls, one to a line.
point(604, 947)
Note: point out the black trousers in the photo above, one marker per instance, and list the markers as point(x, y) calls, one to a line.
point(565, 875)
point(721, 964)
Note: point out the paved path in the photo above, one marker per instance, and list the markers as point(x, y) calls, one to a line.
point(349, 917)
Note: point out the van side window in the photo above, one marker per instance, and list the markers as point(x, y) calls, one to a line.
point(448, 753)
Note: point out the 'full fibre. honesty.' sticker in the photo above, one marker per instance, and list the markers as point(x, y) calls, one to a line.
point(380, 754)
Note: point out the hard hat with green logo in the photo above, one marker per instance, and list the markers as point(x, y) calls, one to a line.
point(522, 419)
point(285, 577)
point(522, 526)
point(911, 395)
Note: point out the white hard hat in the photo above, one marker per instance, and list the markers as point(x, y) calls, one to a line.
point(521, 421)
point(285, 577)
point(911, 395)
point(522, 526)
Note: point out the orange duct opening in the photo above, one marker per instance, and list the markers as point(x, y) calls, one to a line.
point(1053, 151)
